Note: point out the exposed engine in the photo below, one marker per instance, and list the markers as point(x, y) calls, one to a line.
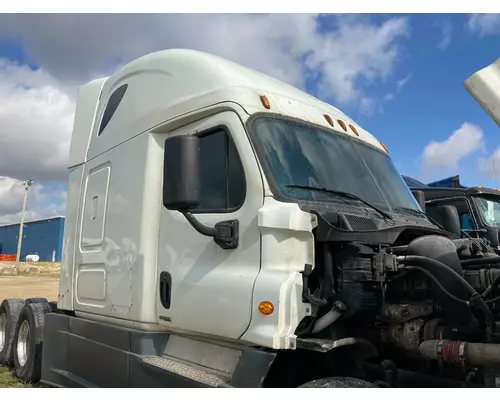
point(426, 301)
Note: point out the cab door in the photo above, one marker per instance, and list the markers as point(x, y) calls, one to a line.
point(202, 287)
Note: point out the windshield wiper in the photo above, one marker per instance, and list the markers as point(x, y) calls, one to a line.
point(343, 194)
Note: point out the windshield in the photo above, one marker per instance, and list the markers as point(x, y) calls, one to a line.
point(300, 154)
point(489, 207)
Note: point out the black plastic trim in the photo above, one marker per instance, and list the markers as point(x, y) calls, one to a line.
point(82, 353)
point(165, 289)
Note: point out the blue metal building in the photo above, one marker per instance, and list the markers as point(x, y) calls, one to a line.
point(42, 237)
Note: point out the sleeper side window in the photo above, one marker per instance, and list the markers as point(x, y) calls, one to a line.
point(223, 186)
point(113, 102)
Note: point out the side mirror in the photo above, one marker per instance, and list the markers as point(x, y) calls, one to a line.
point(181, 173)
point(450, 219)
point(182, 188)
point(420, 197)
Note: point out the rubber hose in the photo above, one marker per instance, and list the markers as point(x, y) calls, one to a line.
point(307, 329)
point(455, 352)
point(484, 260)
point(492, 288)
point(436, 282)
point(428, 263)
point(326, 320)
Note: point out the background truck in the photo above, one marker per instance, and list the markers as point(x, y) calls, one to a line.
point(224, 229)
point(468, 210)
point(465, 211)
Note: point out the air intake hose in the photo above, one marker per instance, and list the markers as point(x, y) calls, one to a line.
point(461, 314)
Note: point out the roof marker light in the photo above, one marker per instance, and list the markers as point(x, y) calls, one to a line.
point(328, 119)
point(342, 124)
point(384, 146)
point(354, 129)
point(265, 102)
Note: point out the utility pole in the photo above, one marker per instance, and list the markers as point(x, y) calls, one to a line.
point(27, 183)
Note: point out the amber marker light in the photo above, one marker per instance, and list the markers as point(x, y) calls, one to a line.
point(354, 129)
point(342, 124)
point(265, 102)
point(266, 308)
point(328, 119)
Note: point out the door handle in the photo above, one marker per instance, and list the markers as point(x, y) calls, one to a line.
point(165, 288)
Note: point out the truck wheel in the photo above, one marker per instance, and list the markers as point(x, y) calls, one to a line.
point(52, 304)
point(9, 313)
point(35, 300)
point(338, 382)
point(28, 341)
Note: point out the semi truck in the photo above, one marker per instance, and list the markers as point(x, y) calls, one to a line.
point(468, 210)
point(227, 230)
point(465, 211)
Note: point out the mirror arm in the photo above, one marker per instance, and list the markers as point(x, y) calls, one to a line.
point(225, 233)
point(198, 226)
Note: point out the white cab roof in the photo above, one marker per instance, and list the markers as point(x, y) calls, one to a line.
point(166, 84)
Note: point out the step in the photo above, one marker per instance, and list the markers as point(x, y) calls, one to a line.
point(196, 374)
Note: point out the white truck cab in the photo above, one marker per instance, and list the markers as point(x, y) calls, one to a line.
point(131, 261)
point(225, 229)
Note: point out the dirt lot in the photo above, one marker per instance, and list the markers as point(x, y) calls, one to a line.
point(22, 287)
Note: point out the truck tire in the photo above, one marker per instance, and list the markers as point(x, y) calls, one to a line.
point(36, 300)
point(28, 342)
point(338, 382)
point(52, 304)
point(9, 314)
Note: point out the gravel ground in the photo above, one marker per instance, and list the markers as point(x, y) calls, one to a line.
point(22, 287)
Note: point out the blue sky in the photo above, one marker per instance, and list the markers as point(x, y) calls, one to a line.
point(399, 75)
point(433, 102)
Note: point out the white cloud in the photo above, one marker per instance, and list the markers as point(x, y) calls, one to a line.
point(288, 46)
point(446, 155)
point(484, 24)
point(402, 82)
point(11, 195)
point(37, 106)
point(36, 117)
point(39, 204)
point(490, 166)
point(446, 34)
point(33, 214)
point(399, 85)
